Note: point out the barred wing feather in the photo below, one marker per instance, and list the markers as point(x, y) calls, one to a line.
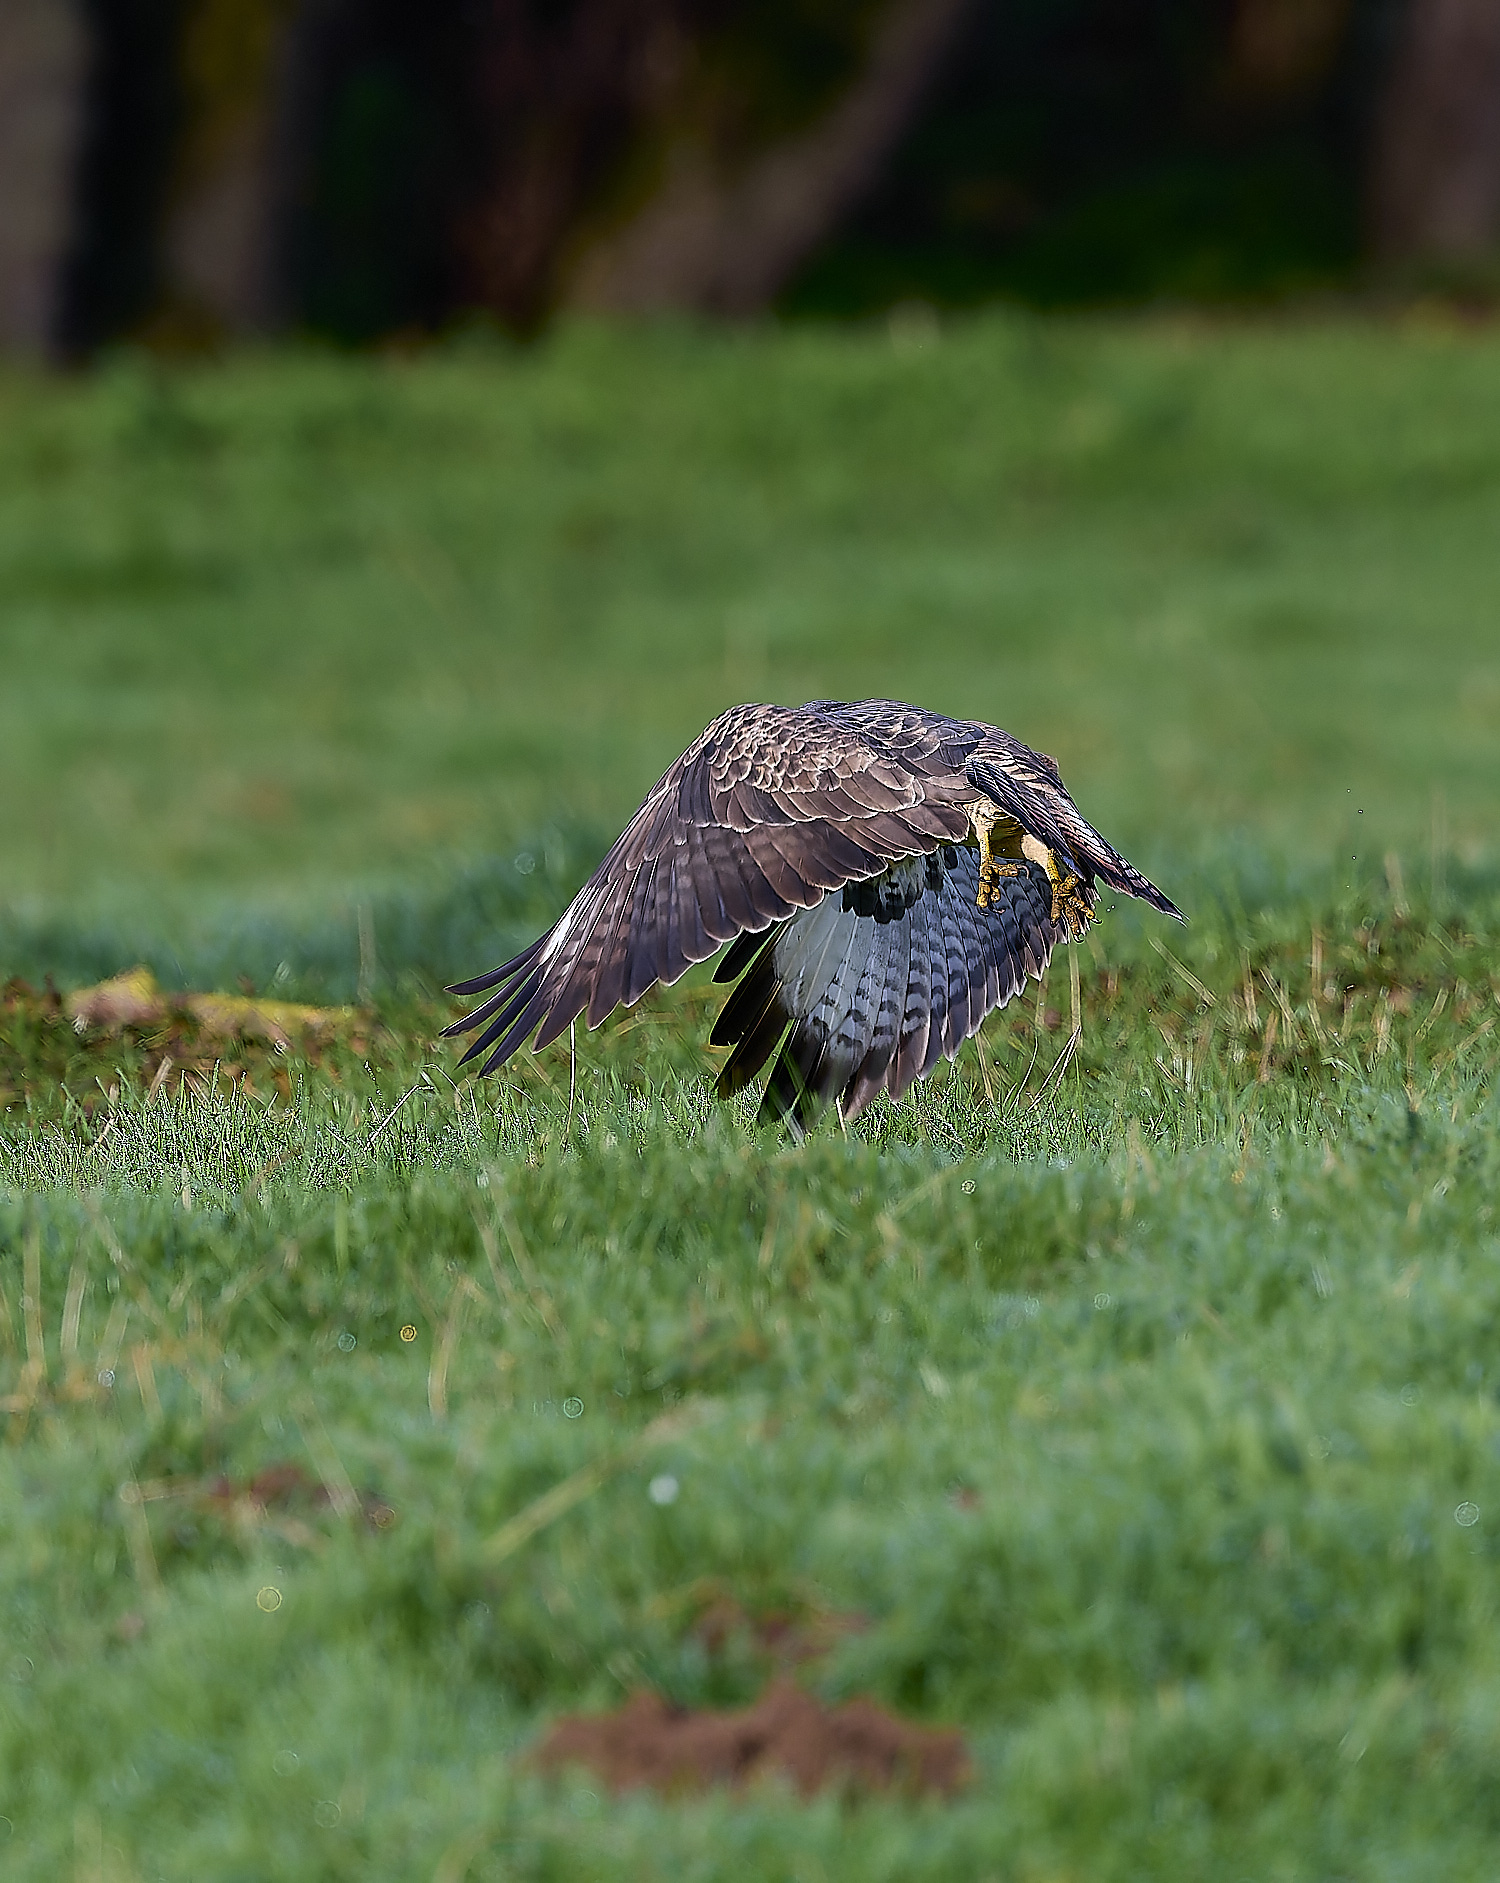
point(931, 966)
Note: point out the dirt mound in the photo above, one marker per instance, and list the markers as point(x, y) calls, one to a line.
point(856, 1747)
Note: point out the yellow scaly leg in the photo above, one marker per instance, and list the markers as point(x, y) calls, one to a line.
point(991, 869)
point(1069, 902)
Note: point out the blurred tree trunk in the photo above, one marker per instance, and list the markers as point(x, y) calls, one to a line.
point(1436, 179)
point(556, 96)
point(1282, 50)
point(221, 238)
point(727, 226)
point(42, 79)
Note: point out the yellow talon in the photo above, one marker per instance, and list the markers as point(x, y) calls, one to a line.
point(989, 881)
point(991, 869)
point(1070, 904)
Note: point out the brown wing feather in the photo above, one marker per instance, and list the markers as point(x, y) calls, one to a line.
point(763, 815)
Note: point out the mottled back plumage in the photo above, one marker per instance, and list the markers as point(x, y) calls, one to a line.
point(831, 844)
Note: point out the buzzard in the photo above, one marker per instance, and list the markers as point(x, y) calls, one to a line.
point(886, 877)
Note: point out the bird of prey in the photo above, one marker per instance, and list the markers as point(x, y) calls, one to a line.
point(887, 876)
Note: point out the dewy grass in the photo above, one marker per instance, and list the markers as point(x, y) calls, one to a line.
point(1145, 1420)
point(1129, 1402)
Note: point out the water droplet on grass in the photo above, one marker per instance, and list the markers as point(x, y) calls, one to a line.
point(572, 1408)
point(663, 1490)
point(285, 1763)
point(932, 1380)
point(347, 1342)
point(1409, 1395)
point(268, 1600)
point(1466, 1515)
point(326, 1814)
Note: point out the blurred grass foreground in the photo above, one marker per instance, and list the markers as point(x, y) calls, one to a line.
point(1142, 1421)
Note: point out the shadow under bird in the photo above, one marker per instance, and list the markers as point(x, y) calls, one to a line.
point(887, 877)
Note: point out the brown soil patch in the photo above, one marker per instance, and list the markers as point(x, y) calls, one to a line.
point(278, 1497)
point(783, 1638)
point(286, 1487)
point(855, 1747)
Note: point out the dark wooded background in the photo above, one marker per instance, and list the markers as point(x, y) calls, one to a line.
point(181, 170)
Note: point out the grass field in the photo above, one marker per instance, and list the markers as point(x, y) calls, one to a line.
point(1144, 1422)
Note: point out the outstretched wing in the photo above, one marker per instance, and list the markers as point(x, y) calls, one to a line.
point(873, 986)
point(1028, 787)
point(761, 817)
